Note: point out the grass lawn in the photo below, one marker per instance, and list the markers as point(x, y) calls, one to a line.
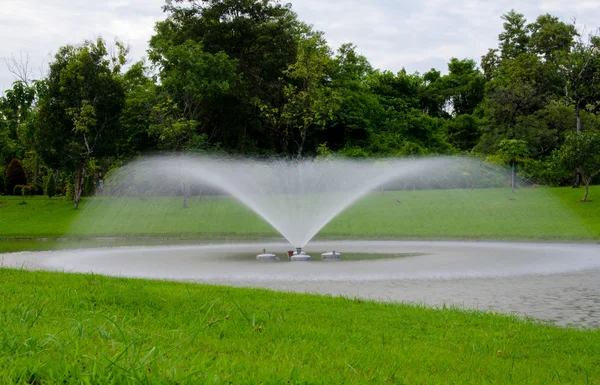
point(530, 214)
point(58, 328)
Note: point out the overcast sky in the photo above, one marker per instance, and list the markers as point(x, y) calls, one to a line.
point(392, 34)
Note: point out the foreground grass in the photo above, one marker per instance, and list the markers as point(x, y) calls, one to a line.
point(531, 214)
point(60, 328)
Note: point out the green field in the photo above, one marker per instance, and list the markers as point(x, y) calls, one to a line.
point(530, 214)
point(60, 328)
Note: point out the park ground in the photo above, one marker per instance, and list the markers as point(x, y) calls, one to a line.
point(58, 328)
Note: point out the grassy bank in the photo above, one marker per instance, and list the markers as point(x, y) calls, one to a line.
point(60, 328)
point(531, 214)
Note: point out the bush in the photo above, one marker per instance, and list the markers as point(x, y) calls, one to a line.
point(39, 190)
point(59, 191)
point(18, 190)
point(70, 191)
point(15, 175)
point(1, 184)
point(89, 187)
point(50, 186)
point(29, 190)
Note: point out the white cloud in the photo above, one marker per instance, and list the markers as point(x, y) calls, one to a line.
point(392, 33)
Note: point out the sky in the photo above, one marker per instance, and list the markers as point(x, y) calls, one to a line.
point(392, 34)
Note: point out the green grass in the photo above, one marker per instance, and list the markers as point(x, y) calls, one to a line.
point(58, 328)
point(530, 214)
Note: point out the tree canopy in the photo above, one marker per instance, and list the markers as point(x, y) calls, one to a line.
point(248, 77)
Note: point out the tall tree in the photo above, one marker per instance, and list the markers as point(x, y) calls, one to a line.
point(79, 115)
point(512, 152)
point(515, 38)
point(308, 101)
point(550, 37)
point(582, 150)
point(260, 36)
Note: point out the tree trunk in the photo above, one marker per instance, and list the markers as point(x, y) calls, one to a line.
point(185, 200)
point(79, 181)
point(301, 147)
point(577, 182)
point(37, 169)
point(578, 112)
point(184, 185)
point(513, 175)
point(587, 190)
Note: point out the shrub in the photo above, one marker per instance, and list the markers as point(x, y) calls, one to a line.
point(29, 190)
point(59, 191)
point(50, 186)
point(39, 190)
point(18, 190)
point(15, 175)
point(1, 184)
point(70, 191)
point(89, 187)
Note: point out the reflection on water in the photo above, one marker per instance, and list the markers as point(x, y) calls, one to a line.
point(554, 282)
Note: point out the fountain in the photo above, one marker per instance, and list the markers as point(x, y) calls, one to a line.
point(297, 197)
point(266, 256)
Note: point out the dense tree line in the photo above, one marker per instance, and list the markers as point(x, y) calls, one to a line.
point(247, 77)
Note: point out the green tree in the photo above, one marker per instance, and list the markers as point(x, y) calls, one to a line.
point(261, 37)
point(79, 115)
point(50, 186)
point(550, 37)
point(141, 95)
point(514, 39)
point(512, 151)
point(464, 86)
point(581, 150)
point(309, 102)
point(15, 176)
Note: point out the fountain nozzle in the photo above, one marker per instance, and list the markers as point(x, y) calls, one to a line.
point(299, 250)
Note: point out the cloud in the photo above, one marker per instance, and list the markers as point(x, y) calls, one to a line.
point(392, 34)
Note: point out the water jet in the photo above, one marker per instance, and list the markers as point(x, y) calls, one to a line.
point(296, 197)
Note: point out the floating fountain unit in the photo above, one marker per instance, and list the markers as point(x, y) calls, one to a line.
point(266, 256)
point(331, 255)
point(298, 255)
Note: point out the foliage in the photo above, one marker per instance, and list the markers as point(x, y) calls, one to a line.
point(581, 150)
point(512, 151)
point(89, 187)
point(69, 191)
point(18, 190)
point(2, 190)
point(79, 113)
point(248, 77)
point(50, 186)
point(15, 175)
point(29, 190)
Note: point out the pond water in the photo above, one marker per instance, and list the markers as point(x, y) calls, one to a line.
point(559, 283)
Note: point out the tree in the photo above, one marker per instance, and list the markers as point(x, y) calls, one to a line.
point(464, 86)
point(15, 175)
point(581, 71)
point(514, 39)
point(512, 151)
point(309, 103)
point(581, 150)
point(261, 37)
point(79, 115)
point(550, 37)
point(50, 186)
